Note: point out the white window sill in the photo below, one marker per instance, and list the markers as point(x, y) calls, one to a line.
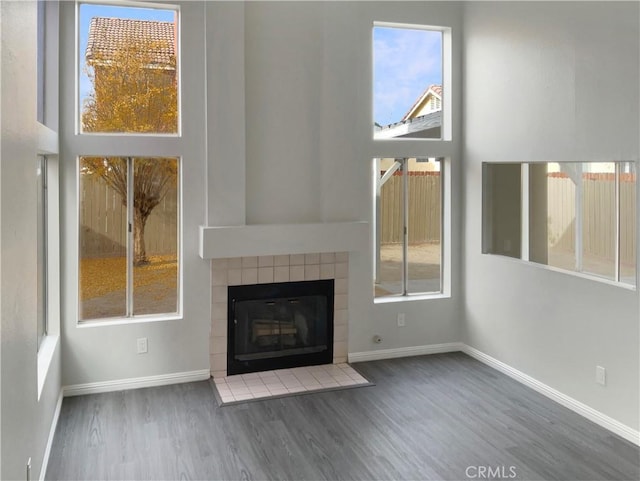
point(45, 356)
point(581, 275)
point(410, 297)
point(127, 320)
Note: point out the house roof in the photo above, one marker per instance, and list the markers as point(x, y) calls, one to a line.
point(424, 126)
point(434, 88)
point(106, 35)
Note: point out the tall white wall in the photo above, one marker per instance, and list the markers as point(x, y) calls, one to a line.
point(551, 81)
point(308, 138)
point(25, 419)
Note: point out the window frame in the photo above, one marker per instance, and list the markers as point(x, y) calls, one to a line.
point(174, 5)
point(405, 281)
point(189, 147)
point(447, 100)
point(130, 316)
point(525, 228)
point(444, 147)
point(48, 146)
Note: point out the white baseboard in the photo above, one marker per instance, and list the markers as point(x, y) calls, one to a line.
point(404, 352)
point(135, 383)
point(52, 432)
point(588, 412)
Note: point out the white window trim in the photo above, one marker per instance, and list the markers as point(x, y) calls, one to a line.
point(48, 145)
point(447, 85)
point(444, 147)
point(188, 146)
point(445, 239)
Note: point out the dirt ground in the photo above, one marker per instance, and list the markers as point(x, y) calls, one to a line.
point(424, 269)
point(103, 287)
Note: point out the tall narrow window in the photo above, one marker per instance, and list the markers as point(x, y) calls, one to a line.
point(129, 218)
point(128, 69)
point(41, 256)
point(408, 82)
point(408, 226)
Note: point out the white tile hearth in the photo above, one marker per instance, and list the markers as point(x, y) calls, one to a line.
point(268, 384)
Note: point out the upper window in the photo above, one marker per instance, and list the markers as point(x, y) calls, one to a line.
point(573, 216)
point(407, 82)
point(128, 58)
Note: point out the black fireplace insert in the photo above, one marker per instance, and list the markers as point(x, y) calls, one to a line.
point(280, 325)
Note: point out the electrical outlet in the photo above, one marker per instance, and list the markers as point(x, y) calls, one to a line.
point(401, 320)
point(142, 345)
point(601, 375)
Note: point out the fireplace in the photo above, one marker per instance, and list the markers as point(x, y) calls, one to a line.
point(279, 325)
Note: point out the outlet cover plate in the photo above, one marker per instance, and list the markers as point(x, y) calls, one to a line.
point(142, 345)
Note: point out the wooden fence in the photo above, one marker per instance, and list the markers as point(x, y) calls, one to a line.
point(598, 212)
point(599, 220)
point(424, 208)
point(103, 222)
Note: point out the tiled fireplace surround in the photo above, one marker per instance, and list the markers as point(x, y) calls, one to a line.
point(279, 268)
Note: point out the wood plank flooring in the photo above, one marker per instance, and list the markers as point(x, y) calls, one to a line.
point(433, 417)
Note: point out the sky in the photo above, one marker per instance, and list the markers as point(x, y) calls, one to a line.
point(405, 62)
point(88, 11)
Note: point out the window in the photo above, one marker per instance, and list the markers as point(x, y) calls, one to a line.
point(129, 206)
point(408, 226)
point(128, 69)
point(41, 235)
point(408, 82)
point(573, 216)
point(129, 217)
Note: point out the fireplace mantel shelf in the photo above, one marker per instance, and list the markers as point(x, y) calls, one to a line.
point(281, 239)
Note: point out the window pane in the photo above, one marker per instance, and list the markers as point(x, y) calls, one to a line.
point(407, 83)
point(628, 220)
point(424, 250)
point(128, 69)
point(155, 234)
point(559, 206)
point(501, 209)
point(42, 248)
point(128, 236)
point(103, 237)
point(389, 230)
point(599, 219)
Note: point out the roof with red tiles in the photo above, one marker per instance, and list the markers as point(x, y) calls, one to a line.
point(434, 88)
point(106, 35)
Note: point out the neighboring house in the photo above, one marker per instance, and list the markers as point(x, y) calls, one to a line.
point(422, 120)
point(107, 35)
point(118, 45)
point(429, 101)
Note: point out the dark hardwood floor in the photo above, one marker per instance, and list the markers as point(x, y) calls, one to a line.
point(433, 417)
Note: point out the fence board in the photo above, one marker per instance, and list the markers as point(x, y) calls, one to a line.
point(103, 222)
